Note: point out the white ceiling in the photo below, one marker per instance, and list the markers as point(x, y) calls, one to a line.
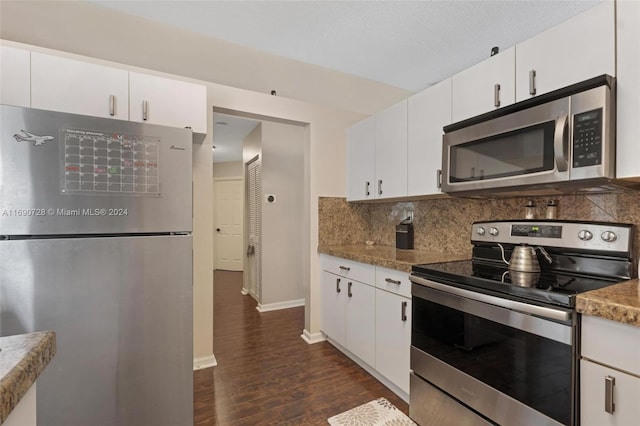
point(406, 44)
point(228, 134)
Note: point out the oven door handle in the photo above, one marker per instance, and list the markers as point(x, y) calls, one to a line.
point(540, 311)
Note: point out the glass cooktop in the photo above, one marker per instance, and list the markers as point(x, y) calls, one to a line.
point(547, 287)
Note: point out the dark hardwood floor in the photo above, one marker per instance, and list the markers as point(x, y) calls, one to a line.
point(268, 375)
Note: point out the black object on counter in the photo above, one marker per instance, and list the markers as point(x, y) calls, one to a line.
point(404, 235)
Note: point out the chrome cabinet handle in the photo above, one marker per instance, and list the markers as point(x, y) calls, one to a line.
point(338, 285)
point(532, 82)
point(349, 289)
point(439, 178)
point(403, 312)
point(496, 95)
point(145, 110)
point(609, 383)
point(380, 187)
point(560, 143)
point(390, 281)
point(344, 268)
point(112, 105)
point(366, 189)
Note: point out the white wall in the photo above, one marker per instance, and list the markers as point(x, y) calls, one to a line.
point(282, 239)
point(228, 169)
point(107, 36)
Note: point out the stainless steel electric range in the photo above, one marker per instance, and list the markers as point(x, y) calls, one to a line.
point(494, 345)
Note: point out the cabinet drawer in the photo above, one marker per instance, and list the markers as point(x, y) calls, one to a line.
point(393, 281)
point(349, 269)
point(593, 389)
point(611, 343)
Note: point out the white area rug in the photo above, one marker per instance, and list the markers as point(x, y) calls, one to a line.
point(379, 412)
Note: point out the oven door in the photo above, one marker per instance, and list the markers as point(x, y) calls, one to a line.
point(528, 147)
point(507, 360)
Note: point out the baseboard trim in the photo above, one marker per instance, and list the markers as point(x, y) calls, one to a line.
point(279, 305)
point(244, 292)
point(312, 338)
point(204, 362)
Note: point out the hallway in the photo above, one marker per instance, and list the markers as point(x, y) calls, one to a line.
point(268, 375)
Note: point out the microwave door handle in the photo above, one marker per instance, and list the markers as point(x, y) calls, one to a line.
point(560, 143)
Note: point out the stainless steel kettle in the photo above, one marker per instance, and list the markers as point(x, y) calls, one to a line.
point(524, 258)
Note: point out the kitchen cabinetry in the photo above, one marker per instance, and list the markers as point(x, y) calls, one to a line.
point(628, 89)
point(609, 373)
point(484, 87)
point(348, 316)
point(15, 86)
point(575, 50)
point(361, 160)
point(428, 112)
point(67, 85)
point(393, 326)
point(391, 151)
point(168, 102)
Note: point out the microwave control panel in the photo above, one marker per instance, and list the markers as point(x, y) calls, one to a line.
point(587, 138)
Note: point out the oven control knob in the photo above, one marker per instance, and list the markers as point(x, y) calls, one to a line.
point(585, 235)
point(494, 231)
point(609, 236)
point(480, 230)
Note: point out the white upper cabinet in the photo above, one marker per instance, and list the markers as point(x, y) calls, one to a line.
point(15, 77)
point(575, 50)
point(484, 87)
point(67, 85)
point(168, 102)
point(628, 90)
point(429, 112)
point(391, 151)
point(361, 160)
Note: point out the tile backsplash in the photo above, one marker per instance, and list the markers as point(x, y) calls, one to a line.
point(444, 224)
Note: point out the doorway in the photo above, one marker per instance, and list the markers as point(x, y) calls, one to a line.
point(229, 194)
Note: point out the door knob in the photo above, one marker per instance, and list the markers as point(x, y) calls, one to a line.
point(218, 229)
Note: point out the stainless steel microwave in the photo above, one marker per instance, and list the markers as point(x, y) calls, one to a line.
point(558, 142)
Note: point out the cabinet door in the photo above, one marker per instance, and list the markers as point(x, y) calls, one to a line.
point(360, 321)
point(575, 50)
point(15, 85)
point(361, 160)
point(167, 102)
point(593, 389)
point(393, 337)
point(484, 87)
point(334, 289)
point(391, 151)
point(628, 89)
point(66, 85)
point(429, 112)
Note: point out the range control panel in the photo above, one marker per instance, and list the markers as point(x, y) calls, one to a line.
point(600, 236)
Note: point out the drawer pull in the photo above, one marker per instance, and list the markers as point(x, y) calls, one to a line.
point(338, 285)
point(345, 268)
point(349, 290)
point(403, 313)
point(609, 383)
point(390, 281)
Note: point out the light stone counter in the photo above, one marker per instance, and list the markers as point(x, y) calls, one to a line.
point(389, 257)
point(22, 359)
point(619, 302)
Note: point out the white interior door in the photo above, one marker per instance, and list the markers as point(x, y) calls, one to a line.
point(228, 208)
point(254, 199)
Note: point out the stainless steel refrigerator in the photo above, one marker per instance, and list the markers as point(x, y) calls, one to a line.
point(95, 244)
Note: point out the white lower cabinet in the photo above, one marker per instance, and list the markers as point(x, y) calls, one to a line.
point(393, 337)
point(333, 305)
point(359, 321)
point(609, 373)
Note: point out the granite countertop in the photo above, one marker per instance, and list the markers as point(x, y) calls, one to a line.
point(22, 359)
point(389, 257)
point(619, 302)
